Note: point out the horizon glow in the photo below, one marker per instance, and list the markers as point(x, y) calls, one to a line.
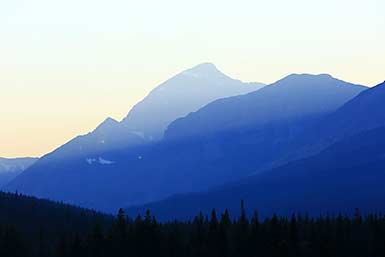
point(67, 65)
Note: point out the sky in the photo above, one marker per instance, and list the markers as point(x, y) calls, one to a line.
point(67, 65)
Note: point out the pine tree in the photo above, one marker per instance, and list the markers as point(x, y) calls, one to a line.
point(198, 236)
point(255, 239)
point(241, 233)
point(213, 235)
point(224, 234)
point(119, 235)
point(293, 236)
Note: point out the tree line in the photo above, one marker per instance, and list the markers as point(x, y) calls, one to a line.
point(215, 235)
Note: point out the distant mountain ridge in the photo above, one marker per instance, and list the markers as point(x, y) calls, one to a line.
point(347, 174)
point(145, 123)
point(362, 113)
point(268, 122)
point(15, 164)
point(184, 93)
point(11, 167)
point(287, 98)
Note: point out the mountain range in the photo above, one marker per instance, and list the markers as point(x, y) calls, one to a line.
point(347, 174)
point(12, 167)
point(291, 98)
point(182, 94)
point(216, 141)
point(145, 124)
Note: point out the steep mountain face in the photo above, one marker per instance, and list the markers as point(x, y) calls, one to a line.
point(146, 122)
point(62, 174)
point(10, 168)
point(238, 136)
point(347, 175)
point(263, 132)
point(362, 113)
point(186, 92)
point(291, 98)
point(200, 161)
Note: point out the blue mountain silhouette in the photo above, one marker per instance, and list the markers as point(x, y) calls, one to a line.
point(231, 138)
point(144, 124)
point(346, 175)
point(12, 167)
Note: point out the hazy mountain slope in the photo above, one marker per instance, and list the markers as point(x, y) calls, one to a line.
point(189, 161)
point(362, 113)
point(192, 163)
point(63, 174)
point(347, 175)
point(10, 168)
point(184, 93)
point(290, 98)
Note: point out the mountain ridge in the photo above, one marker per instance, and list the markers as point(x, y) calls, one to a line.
point(154, 171)
point(10, 168)
point(83, 156)
point(326, 85)
point(330, 182)
point(345, 174)
point(198, 81)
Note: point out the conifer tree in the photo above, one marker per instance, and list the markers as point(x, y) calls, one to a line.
point(224, 235)
point(213, 235)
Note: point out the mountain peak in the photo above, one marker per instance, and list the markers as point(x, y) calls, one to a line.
point(107, 124)
point(109, 120)
point(303, 76)
point(204, 70)
point(205, 65)
point(321, 81)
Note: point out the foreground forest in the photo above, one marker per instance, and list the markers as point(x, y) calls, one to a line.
point(30, 227)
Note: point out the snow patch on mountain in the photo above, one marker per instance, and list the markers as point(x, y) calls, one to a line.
point(99, 160)
point(90, 160)
point(105, 162)
point(139, 134)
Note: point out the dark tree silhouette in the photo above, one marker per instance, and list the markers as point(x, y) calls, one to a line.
point(48, 229)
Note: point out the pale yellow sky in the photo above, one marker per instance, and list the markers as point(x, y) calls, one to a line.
point(67, 65)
